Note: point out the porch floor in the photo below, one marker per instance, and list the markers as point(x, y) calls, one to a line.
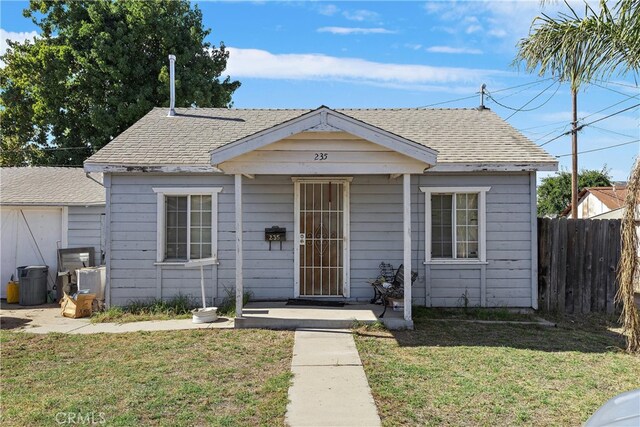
point(279, 315)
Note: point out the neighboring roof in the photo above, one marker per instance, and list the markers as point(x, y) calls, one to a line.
point(467, 136)
point(612, 197)
point(49, 186)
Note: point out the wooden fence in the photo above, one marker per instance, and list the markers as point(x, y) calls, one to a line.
point(577, 264)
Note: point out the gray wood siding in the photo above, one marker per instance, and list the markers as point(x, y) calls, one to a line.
point(376, 235)
point(508, 268)
point(85, 229)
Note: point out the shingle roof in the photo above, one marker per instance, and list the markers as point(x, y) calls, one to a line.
point(459, 135)
point(48, 186)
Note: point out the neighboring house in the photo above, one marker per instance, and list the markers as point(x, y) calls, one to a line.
point(600, 202)
point(352, 188)
point(46, 208)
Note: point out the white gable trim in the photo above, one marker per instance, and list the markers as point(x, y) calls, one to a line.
point(324, 119)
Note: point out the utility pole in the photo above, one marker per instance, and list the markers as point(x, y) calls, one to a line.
point(574, 155)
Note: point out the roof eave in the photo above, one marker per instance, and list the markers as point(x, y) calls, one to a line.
point(133, 168)
point(495, 167)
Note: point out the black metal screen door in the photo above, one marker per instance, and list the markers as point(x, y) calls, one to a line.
point(321, 249)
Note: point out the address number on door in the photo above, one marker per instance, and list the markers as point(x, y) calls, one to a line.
point(321, 156)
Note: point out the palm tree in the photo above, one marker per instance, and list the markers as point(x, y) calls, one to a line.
point(578, 49)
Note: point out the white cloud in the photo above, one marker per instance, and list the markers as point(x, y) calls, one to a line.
point(453, 50)
point(328, 9)
point(343, 31)
point(361, 15)
point(473, 29)
point(13, 36)
point(256, 63)
point(497, 32)
point(413, 46)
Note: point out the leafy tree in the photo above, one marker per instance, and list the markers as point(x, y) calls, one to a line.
point(97, 67)
point(554, 194)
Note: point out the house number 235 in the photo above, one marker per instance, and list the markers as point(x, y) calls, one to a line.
point(321, 156)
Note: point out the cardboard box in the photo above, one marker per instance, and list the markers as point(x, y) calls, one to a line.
point(77, 308)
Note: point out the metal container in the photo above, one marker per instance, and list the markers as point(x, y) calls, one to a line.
point(33, 284)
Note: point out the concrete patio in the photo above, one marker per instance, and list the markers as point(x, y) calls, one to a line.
point(279, 315)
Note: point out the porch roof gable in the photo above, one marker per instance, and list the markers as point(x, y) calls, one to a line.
point(324, 119)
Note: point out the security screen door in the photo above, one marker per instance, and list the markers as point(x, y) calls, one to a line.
point(321, 239)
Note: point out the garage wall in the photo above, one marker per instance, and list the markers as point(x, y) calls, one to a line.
point(18, 248)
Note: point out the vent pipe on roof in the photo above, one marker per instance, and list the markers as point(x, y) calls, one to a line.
point(482, 88)
point(172, 85)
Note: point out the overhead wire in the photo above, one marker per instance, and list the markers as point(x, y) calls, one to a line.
point(613, 131)
point(589, 124)
point(520, 109)
point(601, 149)
point(495, 91)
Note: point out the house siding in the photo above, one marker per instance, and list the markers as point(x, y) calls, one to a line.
point(86, 229)
point(375, 235)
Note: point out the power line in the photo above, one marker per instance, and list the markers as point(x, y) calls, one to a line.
point(618, 84)
point(531, 100)
point(601, 149)
point(496, 91)
point(449, 102)
point(524, 84)
point(609, 89)
point(629, 97)
point(521, 90)
point(606, 117)
point(589, 124)
point(539, 106)
point(62, 148)
point(613, 131)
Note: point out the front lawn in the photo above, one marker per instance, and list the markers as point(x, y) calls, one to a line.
point(460, 373)
point(196, 377)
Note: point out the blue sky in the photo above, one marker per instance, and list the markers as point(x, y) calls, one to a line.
point(406, 54)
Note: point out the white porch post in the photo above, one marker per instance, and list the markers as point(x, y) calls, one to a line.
point(239, 287)
point(406, 186)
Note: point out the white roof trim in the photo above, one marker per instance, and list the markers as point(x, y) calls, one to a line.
point(493, 167)
point(324, 119)
point(111, 168)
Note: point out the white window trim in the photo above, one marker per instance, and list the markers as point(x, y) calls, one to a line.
point(161, 193)
point(482, 224)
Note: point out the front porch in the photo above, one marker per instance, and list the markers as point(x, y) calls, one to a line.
point(279, 315)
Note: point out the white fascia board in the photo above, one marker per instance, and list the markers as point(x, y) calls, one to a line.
point(382, 137)
point(114, 168)
point(493, 167)
point(324, 118)
point(265, 137)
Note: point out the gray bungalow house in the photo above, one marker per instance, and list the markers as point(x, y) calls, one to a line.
point(450, 194)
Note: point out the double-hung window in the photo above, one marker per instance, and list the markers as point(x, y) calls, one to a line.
point(455, 224)
point(187, 223)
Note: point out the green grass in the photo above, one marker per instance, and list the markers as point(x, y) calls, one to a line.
point(177, 378)
point(460, 373)
point(471, 313)
point(178, 307)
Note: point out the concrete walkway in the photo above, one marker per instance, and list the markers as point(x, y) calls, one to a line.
point(47, 319)
point(329, 386)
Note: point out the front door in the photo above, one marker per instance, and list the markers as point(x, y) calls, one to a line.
point(322, 224)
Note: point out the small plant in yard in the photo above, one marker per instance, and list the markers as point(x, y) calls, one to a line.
point(177, 307)
point(228, 306)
